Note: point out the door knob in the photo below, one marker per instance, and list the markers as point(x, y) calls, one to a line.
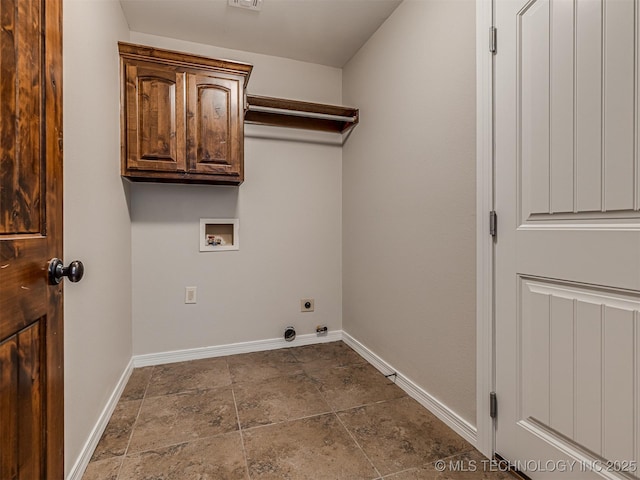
point(57, 270)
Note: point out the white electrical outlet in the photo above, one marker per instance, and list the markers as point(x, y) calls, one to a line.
point(190, 294)
point(306, 305)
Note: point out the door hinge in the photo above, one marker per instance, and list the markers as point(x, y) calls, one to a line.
point(493, 40)
point(493, 223)
point(493, 405)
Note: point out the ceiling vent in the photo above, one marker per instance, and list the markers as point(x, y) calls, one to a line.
point(248, 4)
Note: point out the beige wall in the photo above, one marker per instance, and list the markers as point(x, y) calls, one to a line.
point(96, 218)
point(409, 198)
point(290, 230)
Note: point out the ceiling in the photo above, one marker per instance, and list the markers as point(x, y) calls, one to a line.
point(327, 32)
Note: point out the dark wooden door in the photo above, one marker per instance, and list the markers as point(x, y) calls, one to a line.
point(31, 335)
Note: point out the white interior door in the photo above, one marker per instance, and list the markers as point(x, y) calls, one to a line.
point(568, 247)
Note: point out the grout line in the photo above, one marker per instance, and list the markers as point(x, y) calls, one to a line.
point(135, 422)
point(377, 402)
point(244, 449)
point(123, 458)
point(316, 384)
point(190, 391)
point(328, 412)
point(266, 379)
point(235, 404)
point(331, 408)
point(290, 420)
point(182, 442)
point(406, 470)
point(358, 445)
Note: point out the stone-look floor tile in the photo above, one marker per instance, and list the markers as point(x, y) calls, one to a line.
point(326, 355)
point(257, 366)
point(401, 434)
point(467, 466)
point(115, 438)
point(317, 448)
point(355, 385)
point(103, 469)
point(137, 384)
point(215, 458)
point(189, 376)
point(277, 399)
point(173, 419)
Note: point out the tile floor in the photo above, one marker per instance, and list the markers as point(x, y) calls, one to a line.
point(306, 413)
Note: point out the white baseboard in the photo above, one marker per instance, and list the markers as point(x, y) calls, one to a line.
point(232, 349)
point(435, 406)
point(77, 471)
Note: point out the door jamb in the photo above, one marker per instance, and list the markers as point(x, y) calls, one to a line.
point(485, 331)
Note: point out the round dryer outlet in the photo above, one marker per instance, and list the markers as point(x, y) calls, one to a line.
point(289, 334)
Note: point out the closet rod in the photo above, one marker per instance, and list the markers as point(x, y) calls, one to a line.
point(297, 113)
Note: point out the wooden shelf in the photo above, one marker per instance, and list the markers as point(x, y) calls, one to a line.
point(282, 112)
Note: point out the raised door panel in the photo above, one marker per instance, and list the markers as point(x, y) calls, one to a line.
point(155, 118)
point(214, 126)
point(21, 122)
point(577, 83)
point(577, 368)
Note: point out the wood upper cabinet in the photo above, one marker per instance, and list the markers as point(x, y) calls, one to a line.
point(182, 117)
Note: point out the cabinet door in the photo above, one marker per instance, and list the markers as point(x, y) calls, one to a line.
point(154, 118)
point(215, 130)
